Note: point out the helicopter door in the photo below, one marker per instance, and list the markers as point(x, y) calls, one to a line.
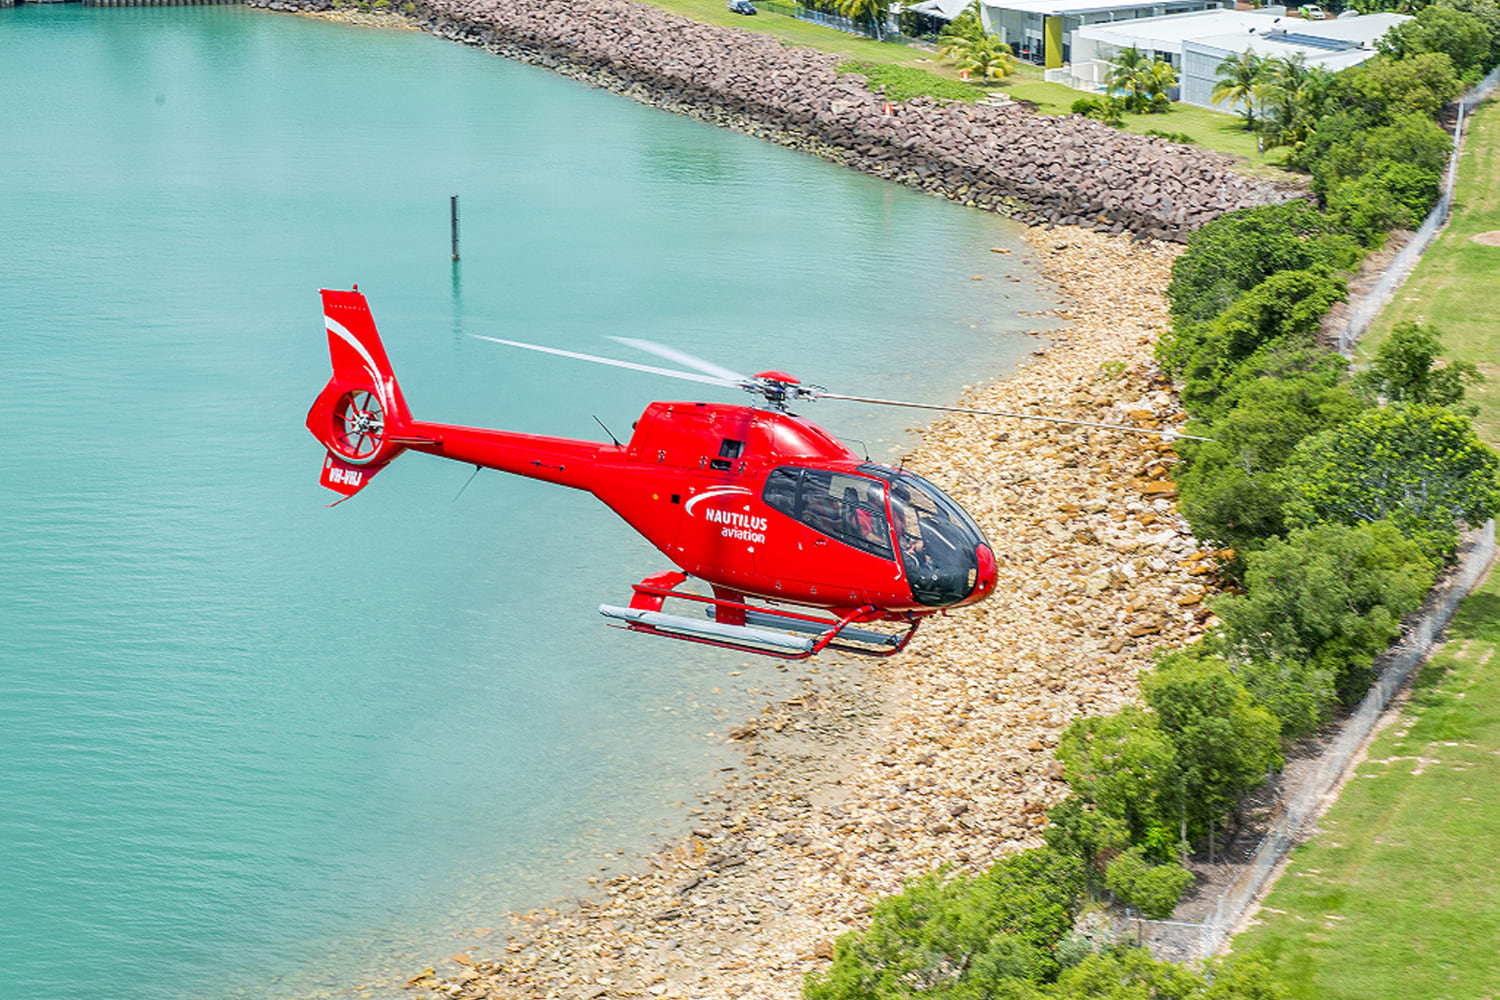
point(835, 513)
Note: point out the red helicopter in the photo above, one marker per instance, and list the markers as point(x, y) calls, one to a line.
point(755, 501)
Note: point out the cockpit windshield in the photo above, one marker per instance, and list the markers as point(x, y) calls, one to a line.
point(939, 542)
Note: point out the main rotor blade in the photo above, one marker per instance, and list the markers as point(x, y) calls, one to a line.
point(1168, 434)
point(649, 369)
point(681, 357)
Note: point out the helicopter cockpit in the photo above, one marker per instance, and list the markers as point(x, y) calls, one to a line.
point(939, 542)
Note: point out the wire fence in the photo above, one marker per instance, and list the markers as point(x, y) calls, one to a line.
point(1364, 309)
point(869, 29)
point(1179, 940)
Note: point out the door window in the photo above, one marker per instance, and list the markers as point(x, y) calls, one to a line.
point(848, 508)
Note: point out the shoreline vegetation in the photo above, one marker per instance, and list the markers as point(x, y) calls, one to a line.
point(880, 771)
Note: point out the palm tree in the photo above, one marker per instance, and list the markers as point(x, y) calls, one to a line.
point(871, 12)
point(1241, 81)
point(1159, 78)
point(1127, 75)
point(986, 57)
point(967, 24)
point(1282, 93)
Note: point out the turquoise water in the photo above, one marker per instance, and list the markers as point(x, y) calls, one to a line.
point(253, 746)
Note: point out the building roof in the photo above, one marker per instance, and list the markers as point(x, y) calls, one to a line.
point(1334, 43)
point(945, 9)
point(1053, 8)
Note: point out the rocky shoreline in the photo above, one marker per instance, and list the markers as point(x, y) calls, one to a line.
point(1035, 168)
point(880, 771)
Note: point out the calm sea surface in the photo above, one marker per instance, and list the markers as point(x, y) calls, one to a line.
point(251, 746)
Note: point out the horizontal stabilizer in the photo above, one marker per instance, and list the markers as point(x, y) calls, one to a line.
point(341, 477)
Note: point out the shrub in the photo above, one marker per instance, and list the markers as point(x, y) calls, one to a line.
point(1152, 889)
point(1331, 597)
point(945, 935)
point(1181, 137)
point(1239, 250)
point(1420, 466)
point(1283, 311)
point(1393, 195)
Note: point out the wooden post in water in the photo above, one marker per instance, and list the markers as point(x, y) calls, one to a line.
point(453, 215)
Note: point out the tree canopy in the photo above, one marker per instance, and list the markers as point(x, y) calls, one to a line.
point(1420, 466)
point(1406, 369)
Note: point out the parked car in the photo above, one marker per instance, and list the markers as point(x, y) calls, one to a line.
point(1313, 12)
point(740, 7)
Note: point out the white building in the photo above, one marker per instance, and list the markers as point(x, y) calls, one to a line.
point(1197, 43)
point(1043, 31)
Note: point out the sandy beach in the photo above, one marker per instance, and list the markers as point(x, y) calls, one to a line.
point(884, 770)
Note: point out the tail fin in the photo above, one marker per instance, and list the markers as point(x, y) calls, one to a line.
point(360, 415)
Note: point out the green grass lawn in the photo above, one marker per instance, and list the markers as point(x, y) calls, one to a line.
point(1398, 896)
point(795, 32)
point(1456, 285)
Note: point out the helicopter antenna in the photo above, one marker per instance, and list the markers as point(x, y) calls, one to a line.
point(463, 487)
point(1167, 435)
point(607, 431)
point(862, 447)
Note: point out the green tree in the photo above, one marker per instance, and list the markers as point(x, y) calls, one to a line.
point(1392, 195)
point(968, 24)
point(1285, 309)
point(1488, 12)
point(1383, 89)
point(871, 12)
point(1418, 465)
point(1406, 369)
point(1152, 889)
point(1346, 150)
point(1287, 92)
point(1462, 37)
point(1222, 740)
point(985, 57)
point(1124, 765)
point(945, 934)
point(1158, 80)
point(1331, 596)
point(1079, 829)
point(1239, 250)
point(1241, 83)
point(1231, 487)
point(1127, 76)
point(1301, 694)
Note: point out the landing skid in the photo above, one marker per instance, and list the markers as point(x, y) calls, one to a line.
point(730, 623)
